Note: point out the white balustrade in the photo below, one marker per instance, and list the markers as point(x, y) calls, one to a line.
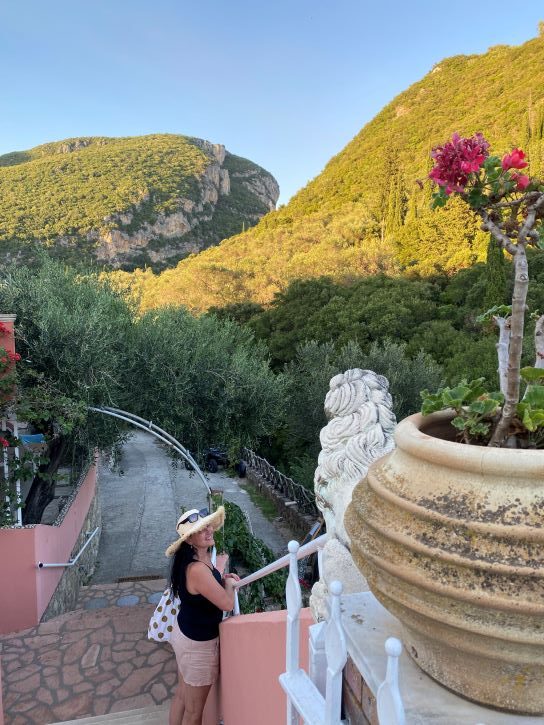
point(304, 698)
point(389, 701)
point(317, 656)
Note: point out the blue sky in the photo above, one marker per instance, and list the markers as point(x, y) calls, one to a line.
point(286, 83)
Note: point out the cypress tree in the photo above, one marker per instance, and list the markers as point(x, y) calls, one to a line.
point(397, 204)
point(495, 276)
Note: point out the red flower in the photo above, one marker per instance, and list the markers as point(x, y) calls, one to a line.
point(14, 356)
point(4, 442)
point(522, 181)
point(514, 160)
point(4, 329)
point(456, 160)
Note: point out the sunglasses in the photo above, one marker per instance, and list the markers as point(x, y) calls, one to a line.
point(194, 517)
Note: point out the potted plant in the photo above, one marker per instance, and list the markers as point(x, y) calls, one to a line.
point(448, 528)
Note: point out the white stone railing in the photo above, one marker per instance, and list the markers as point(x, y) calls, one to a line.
point(317, 697)
point(304, 697)
point(303, 551)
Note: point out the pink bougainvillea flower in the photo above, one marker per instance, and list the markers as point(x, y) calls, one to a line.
point(4, 442)
point(514, 160)
point(522, 181)
point(456, 160)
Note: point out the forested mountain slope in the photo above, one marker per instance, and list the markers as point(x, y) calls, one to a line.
point(123, 202)
point(366, 212)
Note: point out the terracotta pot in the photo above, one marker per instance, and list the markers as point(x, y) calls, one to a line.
point(451, 540)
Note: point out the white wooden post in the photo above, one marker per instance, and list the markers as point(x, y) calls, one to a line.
point(317, 656)
point(336, 652)
point(389, 701)
point(294, 604)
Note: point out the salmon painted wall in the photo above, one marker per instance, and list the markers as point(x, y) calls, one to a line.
point(25, 590)
point(252, 659)
point(18, 574)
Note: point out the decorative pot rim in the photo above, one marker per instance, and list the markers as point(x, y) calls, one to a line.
point(516, 462)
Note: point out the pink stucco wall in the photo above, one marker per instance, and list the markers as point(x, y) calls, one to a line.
point(27, 590)
point(252, 659)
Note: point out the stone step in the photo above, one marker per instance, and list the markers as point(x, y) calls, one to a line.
point(154, 715)
point(125, 593)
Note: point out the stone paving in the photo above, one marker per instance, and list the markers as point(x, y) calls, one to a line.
point(123, 594)
point(91, 661)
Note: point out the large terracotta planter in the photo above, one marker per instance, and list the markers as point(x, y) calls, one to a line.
point(451, 540)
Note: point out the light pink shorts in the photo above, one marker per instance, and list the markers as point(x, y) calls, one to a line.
point(198, 662)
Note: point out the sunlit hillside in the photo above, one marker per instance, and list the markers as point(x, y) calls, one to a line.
point(366, 212)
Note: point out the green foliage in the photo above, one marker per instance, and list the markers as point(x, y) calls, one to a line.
point(204, 379)
point(308, 377)
point(82, 344)
point(73, 330)
point(365, 212)
point(531, 408)
point(65, 194)
point(251, 554)
point(495, 311)
point(474, 408)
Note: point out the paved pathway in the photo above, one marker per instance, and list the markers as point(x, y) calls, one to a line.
point(141, 506)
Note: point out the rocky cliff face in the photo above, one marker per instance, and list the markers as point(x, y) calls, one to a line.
point(128, 202)
point(170, 237)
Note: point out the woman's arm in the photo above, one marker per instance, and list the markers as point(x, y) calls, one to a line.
point(200, 580)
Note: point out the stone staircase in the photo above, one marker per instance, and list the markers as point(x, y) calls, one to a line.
point(156, 715)
point(92, 662)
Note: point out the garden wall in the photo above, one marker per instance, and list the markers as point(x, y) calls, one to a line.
point(299, 523)
point(28, 593)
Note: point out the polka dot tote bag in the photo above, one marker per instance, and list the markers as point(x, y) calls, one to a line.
point(162, 621)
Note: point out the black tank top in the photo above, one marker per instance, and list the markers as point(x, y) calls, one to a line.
point(198, 618)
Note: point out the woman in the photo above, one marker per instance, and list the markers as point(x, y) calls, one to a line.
point(204, 596)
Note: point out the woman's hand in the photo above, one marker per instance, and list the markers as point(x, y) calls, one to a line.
point(231, 575)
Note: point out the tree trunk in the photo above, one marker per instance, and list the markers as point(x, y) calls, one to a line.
point(539, 342)
point(42, 490)
point(503, 323)
point(517, 321)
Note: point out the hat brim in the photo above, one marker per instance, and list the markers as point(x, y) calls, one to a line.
point(215, 520)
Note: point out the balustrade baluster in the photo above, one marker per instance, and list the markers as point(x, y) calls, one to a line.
point(336, 653)
point(389, 701)
point(294, 603)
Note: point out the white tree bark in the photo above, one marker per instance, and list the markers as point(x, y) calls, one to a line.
point(503, 346)
point(539, 342)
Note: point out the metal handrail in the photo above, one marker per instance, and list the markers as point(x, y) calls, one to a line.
point(159, 433)
point(304, 551)
point(91, 535)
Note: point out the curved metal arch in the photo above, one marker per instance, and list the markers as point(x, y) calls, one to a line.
point(159, 433)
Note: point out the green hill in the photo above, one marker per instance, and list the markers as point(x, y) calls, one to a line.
point(128, 201)
point(365, 213)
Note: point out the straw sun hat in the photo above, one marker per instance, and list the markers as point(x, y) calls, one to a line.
point(185, 528)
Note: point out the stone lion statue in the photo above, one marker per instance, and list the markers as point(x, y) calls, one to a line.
point(360, 430)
